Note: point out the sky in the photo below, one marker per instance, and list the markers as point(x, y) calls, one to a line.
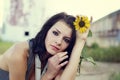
point(95, 8)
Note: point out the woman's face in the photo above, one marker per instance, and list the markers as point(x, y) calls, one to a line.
point(58, 37)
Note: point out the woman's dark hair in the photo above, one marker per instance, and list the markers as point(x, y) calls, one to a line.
point(39, 40)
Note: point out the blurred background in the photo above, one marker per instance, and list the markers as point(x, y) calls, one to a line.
point(21, 20)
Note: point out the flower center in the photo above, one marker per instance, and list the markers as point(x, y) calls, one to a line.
point(82, 23)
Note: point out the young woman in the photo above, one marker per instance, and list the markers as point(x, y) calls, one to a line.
point(58, 46)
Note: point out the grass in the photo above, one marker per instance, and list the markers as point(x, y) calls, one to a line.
point(115, 76)
point(110, 54)
point(4, 46)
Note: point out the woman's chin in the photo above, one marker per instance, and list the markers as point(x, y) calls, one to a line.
point(52, 52)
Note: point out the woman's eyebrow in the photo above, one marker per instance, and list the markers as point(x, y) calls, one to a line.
point(58, 30)
point(68, 37)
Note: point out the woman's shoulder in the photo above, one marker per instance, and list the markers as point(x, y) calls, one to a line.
point(17, 51)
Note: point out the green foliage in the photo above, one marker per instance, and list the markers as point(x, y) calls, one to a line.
point(110, 54)
point(94, 45)
point(90, 59)
point(115, 76)
point(83, 57)
point(90, 33)
point(97, 53)
point(4, 46)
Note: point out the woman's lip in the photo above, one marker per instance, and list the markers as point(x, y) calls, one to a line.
point(56, 48)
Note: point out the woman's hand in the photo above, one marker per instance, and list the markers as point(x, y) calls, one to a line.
point(55, 64)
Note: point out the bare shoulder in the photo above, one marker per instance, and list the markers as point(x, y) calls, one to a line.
point(14, 60)
point(18, 52)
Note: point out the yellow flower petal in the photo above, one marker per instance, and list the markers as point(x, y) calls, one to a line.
point(85, 25)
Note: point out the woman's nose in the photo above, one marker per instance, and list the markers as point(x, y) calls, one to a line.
point(59, 41)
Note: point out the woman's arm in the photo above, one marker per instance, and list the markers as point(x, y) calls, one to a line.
point(17, 69)
point(17, 62)
point(69, 72)
point(46, 77)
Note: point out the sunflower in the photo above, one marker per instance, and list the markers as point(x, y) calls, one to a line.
point(81, 23)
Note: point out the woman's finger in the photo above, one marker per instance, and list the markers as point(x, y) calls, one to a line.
point(61, 54)
point(64, 63)
point(63, 58)
point(60, 57)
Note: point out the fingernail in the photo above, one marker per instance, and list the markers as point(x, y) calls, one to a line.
point(66, 52)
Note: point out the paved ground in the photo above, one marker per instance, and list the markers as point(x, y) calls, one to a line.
point(101, 71)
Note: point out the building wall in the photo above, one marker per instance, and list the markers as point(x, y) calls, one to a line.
point(106, 30)
point(22, 17)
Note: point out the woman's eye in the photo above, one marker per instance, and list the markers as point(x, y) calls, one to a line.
point(67, 40)
point(55, 33)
